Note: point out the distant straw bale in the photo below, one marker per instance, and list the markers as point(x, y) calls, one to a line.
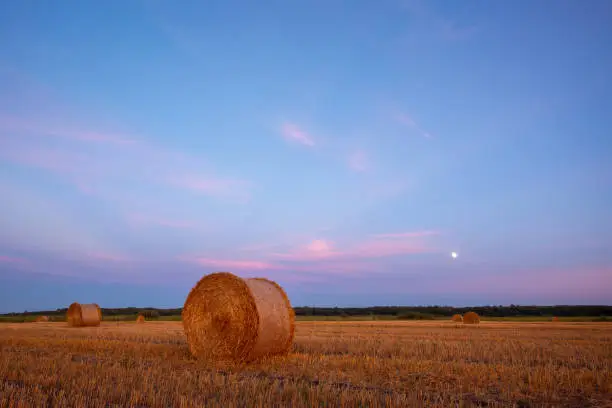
point(471, 318)
point(80, 315)
point(42, 319)
point(555, 319)
point(228, 319)
point(457, 318)
point(140, 318)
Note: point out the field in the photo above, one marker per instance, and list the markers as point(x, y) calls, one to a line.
point(376, 363)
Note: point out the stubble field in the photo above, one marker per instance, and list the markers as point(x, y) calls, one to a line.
point(395, 364)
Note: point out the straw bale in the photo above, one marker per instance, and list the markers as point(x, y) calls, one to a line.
point(140, 318)
point(228, 319)
point(457, 318)
point(471, 318)
point(555, 319)
point(42, 319)
point(80, 315)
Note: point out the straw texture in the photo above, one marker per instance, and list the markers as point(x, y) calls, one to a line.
point(471, 318)
point(228, 319)
point(457, 318)
point(80, 315)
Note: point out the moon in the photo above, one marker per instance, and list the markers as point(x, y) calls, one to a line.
point(454, 254)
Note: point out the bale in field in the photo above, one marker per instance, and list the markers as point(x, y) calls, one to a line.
point(457, 318)
point(228, 319)
point(471, 318)
point(80, 315)
point(555, 319)
point(42, 319)
point(140, 318)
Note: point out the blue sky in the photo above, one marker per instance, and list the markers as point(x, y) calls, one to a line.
point(342, 149)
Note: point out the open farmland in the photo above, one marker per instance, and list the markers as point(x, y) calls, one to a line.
point(428, 363)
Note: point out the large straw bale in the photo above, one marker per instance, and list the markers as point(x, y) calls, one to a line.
point(42, 319)
point(555, 319)
point(80, 315)
point(140, 318)
point(471, 318)
point(457, 318)
point(228, 319)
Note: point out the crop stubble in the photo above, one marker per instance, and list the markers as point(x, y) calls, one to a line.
point(338, 363)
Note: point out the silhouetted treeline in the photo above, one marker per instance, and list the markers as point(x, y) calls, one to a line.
point(431, 311)
point(447, 311)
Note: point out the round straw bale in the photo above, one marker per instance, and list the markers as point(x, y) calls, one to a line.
point(457, 318)
point(555, 319)
point(228, 319)
point(80, 315)
point(471, 318)
point(140, 318)
point(42, 319)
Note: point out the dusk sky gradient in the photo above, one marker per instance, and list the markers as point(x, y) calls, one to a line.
point(341, 148)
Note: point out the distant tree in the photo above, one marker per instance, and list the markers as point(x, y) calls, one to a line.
point(415, 316)
point(150, 314)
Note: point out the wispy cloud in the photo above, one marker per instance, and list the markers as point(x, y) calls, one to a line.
point(45, 127)
point(219, 187)
point(107, 256)
point(11, 260)
point(229, 264)
point(588, 280)
point(88, 167)
point(319, 246)
point(54, 160)
point(292, 132)
point(408, 243)
point(358, 161)
point(322, 255)
point(408, 121)
point(289, 269)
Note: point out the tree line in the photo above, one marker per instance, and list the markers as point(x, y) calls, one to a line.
point(430, 311)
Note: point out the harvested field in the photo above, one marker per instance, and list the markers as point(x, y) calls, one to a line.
point(434, 364)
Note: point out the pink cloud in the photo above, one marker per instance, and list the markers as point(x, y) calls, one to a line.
point(213, 186)
point(329, 266)
point(107, 256)
point(90, 171)
point(40, 128)
point(588, 280)
point(406, 120)
point(88, 136)
point(336, 266)
point(11, 260)
point(48, 159)
point(324, 256)
point(407, 243)
point(293, 133)
point(319, 246)
point(232, 264)
point(358, 161)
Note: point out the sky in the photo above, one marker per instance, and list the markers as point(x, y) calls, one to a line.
point(340, 148)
